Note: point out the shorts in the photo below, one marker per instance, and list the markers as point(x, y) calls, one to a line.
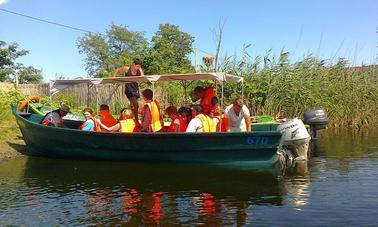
point(132, 90)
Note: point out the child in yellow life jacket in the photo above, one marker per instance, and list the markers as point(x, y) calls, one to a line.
point(126, 124)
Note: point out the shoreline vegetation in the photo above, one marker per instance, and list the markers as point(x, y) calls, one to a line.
point(349, 95)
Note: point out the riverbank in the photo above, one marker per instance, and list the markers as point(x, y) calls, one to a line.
point(11, 143)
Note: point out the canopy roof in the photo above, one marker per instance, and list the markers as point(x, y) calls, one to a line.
point(58, 85)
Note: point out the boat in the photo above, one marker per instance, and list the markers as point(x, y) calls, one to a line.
point(262, 146)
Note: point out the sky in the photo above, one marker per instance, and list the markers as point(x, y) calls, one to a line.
point(327, 29)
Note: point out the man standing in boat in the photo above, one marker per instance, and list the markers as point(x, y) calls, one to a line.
point(132, 89)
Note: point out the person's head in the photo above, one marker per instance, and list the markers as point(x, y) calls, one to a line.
point(196, 109)
point(216, 111)
point(127, 114)
point(185, 112)
point(148, 94)
point(198, 92)
point(137, 64)
point(64, 110)
point(88, 113)
point(237, 105)
point(104, 107)
point(171, 111)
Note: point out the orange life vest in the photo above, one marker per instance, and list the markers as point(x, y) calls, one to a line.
point(107, 119)
point(206, 100)
point(154, 108)
point(96, 127)
point(222, 125)
point(182, 126)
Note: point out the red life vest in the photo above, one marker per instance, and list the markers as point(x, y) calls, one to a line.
point(206, 100)
point(182, 126)
point(107, 119)
point(222, 123)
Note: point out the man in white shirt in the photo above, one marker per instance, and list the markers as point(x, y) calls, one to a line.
point(238, 117)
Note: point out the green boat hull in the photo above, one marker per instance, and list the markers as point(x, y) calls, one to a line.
point(253, 148)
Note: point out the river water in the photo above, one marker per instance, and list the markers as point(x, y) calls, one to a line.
point(337, 187)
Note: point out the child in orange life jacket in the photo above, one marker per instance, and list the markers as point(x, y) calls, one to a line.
point(90, 123)
point(178, 123)
point(105, 116)
point(126, 123)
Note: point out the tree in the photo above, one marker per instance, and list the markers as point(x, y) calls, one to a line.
point(169, 51)
point(104, 53)
point(8, 55)
point(9, 68)
point(29, 75)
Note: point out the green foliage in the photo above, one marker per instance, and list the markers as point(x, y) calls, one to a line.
point(29, 75)
point(349, 95)
point(119, 46)
point(169, 51)
point(8, 66)
point(6, 99)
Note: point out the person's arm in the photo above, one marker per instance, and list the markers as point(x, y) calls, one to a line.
point(226, 121)
point(141, 72)
point(248, 123)
point(247, 118)
point(115, 127)
point(120, 69)
point(146, 121)
point(176, 123)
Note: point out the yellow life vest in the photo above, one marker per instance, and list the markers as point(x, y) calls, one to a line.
point(155, 116)
point(127, 125)
point(207, 123)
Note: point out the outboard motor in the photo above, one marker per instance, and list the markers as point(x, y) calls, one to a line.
point(317, 119)
point(295, 138)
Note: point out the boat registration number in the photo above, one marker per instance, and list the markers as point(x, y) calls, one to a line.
point(257, 140)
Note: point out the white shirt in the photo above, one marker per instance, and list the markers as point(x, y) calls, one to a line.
point(195, 125)
point(236, 123)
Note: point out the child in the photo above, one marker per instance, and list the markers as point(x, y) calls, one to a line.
point(105, 116)
point(178, 123)
point(152, 121)
point(90, 123)
point(126, 123)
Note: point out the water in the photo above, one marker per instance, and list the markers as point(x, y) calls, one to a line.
point(337, 187)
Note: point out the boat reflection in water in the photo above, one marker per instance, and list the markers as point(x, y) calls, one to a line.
point(134, 193)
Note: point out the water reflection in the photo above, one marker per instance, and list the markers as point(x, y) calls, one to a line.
point(118, 193)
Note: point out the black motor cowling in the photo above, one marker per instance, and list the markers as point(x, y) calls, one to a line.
point(317, 119)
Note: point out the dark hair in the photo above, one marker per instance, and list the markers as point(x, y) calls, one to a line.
point(238, 102)
point(104, 107)
point(137, 62)
point(198, 89)
point(171, 110)
point(89, 110)
point(148, 94)
point(197, 108)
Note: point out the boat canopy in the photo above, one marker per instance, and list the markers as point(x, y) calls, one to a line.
point(220, 78)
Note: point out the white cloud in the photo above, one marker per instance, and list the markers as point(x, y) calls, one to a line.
point(3, 1)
